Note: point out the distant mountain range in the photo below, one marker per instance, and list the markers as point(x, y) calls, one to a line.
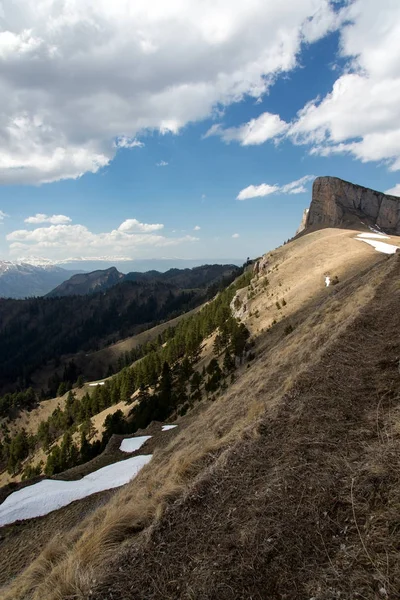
point(37, 276)
point(22, 280)
point(37, 330)
point(86, 283)
point(101, 280)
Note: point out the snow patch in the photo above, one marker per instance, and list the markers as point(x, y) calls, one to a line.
point(381, 246)
point(373, 235)
point(168, 427)
point(327, 281)
point(133, 444)
point(50, 494)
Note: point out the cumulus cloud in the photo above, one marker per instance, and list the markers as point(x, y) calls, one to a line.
point(196, 228)
point(134, 226)
point(265, 189)
point(162, 163)
point(3, 215)
point(62, 241)
point(361, 115)
point(42, 218)
point(76, 76)
point(235, 235)
point(394, 191)
point(257, 131)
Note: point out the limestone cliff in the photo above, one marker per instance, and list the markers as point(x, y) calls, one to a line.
point(337, 203)
point(303, 223)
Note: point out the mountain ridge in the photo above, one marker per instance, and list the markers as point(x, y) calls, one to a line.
point(100, 280)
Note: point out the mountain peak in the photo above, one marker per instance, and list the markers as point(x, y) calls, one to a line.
point(339, 203)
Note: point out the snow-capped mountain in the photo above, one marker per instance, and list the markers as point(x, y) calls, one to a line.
point(30, 277)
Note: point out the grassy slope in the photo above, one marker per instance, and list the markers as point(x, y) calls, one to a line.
point(246, 443)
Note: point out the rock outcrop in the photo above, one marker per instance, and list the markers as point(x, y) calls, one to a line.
point(337, 203)
point(303, 223)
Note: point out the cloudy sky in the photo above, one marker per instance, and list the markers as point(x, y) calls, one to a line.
point(187, 128)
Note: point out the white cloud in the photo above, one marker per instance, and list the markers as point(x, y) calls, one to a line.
point(235, 236)
point(394, 191)
point(61, 241)
point(53, 220)
point(3, 215)
point(257, 131)
point(76, 76)
point(196, 228)
point(126, 142)
point(162, 163)
point(265, 189)
point(254, 191)
point(134, 226)
point(361, 115)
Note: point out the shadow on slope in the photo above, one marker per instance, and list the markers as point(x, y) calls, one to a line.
point(308, 506)
point(207, 445)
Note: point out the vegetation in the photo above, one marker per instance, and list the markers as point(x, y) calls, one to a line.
point(37, 330)
point(165, 365)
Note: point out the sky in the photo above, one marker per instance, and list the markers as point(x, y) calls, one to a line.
point(187, 129)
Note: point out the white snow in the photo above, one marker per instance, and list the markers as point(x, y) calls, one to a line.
point(373, 235)
point(49, 494)
point(95, 384)
point(133, 444)
point(168, 427)
point(327, 281)
point(381, 246)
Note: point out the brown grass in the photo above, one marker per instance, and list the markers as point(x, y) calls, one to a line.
point(307, 504)
point(208, 451)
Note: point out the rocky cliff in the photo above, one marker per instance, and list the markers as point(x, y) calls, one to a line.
point(338, 203)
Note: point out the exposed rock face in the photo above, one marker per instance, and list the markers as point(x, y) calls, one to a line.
point(303, 223)
point(338, 203)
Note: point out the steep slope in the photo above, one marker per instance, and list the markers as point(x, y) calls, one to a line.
point(265, 491)
point(86, 283)
point(306, 504)
point(338, 203)
point(22, 280)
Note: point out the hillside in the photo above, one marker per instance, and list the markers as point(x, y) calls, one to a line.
point(281, 482)
point(38, 330)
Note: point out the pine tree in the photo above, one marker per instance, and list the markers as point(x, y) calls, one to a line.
point(85, 450)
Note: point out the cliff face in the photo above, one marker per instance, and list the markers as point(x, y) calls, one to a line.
point(336, 203)
point(303, 223)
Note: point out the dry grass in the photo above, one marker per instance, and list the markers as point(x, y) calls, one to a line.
point(307, 506)
point(208, 443)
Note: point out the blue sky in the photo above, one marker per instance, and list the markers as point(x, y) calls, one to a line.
point(143, 148)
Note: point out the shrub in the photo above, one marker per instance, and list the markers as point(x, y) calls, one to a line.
point(278, 306)
point(237, 303)
point(288, 329)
